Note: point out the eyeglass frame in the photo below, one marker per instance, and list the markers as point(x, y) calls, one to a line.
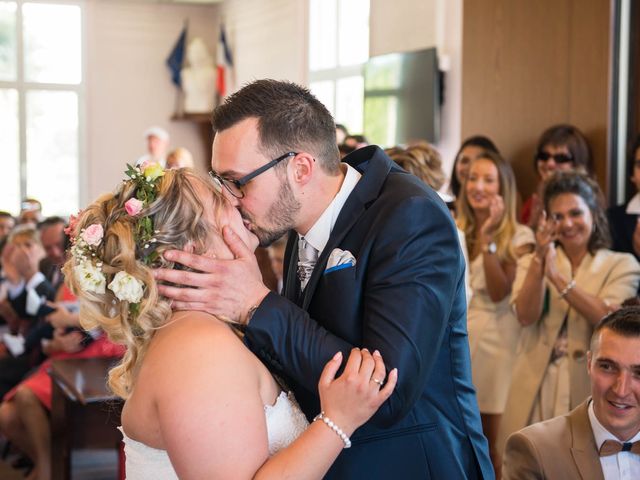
point(540, 157)
point(242, 182)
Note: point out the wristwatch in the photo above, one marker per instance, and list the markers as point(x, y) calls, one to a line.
point(490, 248)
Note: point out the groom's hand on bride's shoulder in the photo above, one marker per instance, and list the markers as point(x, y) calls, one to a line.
point(221, 287)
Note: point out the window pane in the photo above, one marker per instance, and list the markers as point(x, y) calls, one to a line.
point(325, 92)
point(52, 39)
point(323, 34)
point(349, 100)
point(8, 41)
point(52, 150)
point(353, 31)
point(10, 178)
point(380, 115)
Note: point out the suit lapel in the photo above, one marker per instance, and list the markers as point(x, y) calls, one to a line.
point(374, 166)
point(583, 450)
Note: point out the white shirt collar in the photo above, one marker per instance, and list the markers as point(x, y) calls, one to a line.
point(633, 207)
point(318, 234)
point(600, 433)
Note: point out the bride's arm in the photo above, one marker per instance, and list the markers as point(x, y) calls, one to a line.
point(212, 420)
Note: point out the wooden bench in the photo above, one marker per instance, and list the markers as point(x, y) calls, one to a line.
point(84, 413)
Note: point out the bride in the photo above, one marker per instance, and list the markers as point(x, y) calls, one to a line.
point(199, 404)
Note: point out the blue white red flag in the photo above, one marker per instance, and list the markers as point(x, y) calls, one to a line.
point(224, 64)
point(176, 57)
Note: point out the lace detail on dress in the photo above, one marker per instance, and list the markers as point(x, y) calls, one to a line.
point(285, 422)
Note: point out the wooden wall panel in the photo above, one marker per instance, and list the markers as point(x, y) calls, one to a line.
point(530, 64)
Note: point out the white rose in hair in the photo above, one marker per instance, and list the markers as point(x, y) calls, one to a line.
point(126, 287)
point(90, 277)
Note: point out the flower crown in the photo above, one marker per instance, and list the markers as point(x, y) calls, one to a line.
point(86, 246)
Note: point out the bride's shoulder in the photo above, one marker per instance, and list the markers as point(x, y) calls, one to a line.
point(196, 334)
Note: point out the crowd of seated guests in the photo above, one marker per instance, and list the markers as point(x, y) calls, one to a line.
point(540, 278)
point(41, 323)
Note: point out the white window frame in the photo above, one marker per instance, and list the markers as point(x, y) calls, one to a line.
point(22, 87)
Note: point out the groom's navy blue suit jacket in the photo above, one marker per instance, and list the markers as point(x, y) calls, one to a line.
point(405, 297)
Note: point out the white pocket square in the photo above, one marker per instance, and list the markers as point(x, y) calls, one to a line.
point(339, 259)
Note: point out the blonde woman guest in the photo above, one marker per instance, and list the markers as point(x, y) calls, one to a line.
point(180, 158)
point(199, 404)
point(487, 216)
point(561, 291)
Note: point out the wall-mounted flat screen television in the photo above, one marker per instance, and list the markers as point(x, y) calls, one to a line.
point(402, 98)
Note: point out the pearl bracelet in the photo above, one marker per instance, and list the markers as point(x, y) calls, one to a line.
point(570, 286)
point(343, 436)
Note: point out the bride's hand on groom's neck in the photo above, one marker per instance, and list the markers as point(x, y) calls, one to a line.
point(222, 287)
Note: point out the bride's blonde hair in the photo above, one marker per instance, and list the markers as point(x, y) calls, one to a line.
point(178, 220)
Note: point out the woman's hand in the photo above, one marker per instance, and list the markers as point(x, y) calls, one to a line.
point(496, 211)
point(352, 398)
point(545, 236)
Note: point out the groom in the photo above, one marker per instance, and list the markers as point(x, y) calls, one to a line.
point(372, 261)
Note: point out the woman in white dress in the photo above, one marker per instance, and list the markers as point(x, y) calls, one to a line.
point(199, 404)
point(495, 240)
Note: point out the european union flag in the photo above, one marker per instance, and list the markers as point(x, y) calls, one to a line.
point(174, 62)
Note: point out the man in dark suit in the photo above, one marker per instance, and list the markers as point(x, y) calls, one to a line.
point(372, 261)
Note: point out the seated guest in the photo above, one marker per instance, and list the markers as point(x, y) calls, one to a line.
point(180, 158)
point(30, 211)
point(625, 219)
point(560, 148)
point(55, 243)
point(495, 240)
point(7, 222)
point(560, 293)
point(599, 439)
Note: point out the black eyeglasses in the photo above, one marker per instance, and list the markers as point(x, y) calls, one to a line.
point(558, 157)
point(234, 187)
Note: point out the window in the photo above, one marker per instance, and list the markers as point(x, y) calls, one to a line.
point(40, 98)
point(338, 48)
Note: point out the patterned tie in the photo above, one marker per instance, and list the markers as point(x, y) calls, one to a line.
point(307, 258)
point(611, 447)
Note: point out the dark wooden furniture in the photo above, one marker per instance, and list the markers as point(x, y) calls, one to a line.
point(84, 413)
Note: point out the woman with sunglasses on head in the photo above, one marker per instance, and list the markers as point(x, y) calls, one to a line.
point(495, 240)
point(561, 291)
point(560, 148)
point(625, 219)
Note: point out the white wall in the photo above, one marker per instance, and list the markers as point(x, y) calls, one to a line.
point(128, 85)
point(268, 39)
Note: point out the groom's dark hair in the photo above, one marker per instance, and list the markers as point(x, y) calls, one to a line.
point(289, 118)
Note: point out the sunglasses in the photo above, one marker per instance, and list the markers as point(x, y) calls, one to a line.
point(558, 157)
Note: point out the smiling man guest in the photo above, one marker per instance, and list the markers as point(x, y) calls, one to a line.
point(600, 439)
point(372, 261)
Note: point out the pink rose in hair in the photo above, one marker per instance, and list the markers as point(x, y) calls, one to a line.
point(133, 206)
point(93, 234)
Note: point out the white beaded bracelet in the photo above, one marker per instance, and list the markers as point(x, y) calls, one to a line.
point(570, 286)
point(343, 436)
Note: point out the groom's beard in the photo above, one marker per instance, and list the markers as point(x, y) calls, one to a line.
point(279, 219)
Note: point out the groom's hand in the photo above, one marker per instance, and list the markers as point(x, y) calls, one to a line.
point(226, 288)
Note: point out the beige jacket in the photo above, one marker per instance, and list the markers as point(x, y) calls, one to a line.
point(561, 448)
point(611, 276)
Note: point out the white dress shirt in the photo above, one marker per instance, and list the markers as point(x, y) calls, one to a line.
point(621, 466)
point(318, 234)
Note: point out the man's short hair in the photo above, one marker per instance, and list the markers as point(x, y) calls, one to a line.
point(25, 231)
point(4, 214)
point(290, 119)
point(624, 321)
point(50, 222)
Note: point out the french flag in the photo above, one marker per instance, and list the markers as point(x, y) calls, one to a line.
point(224, 63)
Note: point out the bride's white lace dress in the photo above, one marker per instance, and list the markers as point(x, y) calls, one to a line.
point(285, 422)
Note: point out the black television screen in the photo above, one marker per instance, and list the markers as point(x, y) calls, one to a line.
point(402, 98)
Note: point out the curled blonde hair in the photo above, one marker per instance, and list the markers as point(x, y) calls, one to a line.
point(179, 219)
point(422, 160)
